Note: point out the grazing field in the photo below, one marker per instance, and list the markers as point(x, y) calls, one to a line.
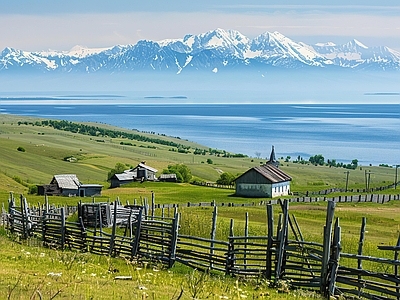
point(32, 272)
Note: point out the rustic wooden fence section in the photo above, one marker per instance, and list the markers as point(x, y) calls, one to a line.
point(373, 198)
point(140, 236)
point(281, 254)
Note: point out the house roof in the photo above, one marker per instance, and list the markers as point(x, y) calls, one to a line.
point(124, 176)
point(141, 165)
point(271, 173)
point(67, 181)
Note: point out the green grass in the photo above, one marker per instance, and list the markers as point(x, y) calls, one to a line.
point(25, 276)
point(34, 272)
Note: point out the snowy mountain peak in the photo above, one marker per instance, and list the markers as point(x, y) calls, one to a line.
point(328, 44)
point(217, 49)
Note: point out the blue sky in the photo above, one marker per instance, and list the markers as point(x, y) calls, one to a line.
point(60, 25)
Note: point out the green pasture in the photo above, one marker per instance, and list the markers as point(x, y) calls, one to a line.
point(31, 272)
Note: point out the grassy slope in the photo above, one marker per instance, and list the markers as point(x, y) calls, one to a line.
point(44, 158)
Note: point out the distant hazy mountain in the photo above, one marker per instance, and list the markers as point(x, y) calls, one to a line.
point(212, 51)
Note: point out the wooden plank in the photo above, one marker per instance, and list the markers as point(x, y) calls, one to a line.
point(174, 240)
point(213, 230)
point(326, 248)
point(282, 238)
point(268, 262)
point(334, 260)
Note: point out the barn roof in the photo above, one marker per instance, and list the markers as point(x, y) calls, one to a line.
point(124, 176)
point(271, 173)
point(144, 166)
point(67, 181)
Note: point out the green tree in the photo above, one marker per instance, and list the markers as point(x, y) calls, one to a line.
point(182, 172)
point(119, 168)
point(226, 178)
point(317, 159)
point(209, 161)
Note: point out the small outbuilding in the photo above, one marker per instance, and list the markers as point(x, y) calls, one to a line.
point(69, 185)
point(168, 178)
point(141, 172)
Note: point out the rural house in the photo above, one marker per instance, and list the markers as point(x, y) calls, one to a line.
point(141, 172)
point(264, 181)
point(69, 185)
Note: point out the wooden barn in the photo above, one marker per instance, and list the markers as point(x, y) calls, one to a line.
point(69, 185)
point(141, 172)
point(263, 181)
point(120, 179)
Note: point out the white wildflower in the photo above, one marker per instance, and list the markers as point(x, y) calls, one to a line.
point(53, 274)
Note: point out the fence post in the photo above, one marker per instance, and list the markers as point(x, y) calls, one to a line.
point(270, 219)
point(282, 238)
point(212, 235)
point(230, 258)
point(396, 267)
point(174, 239)
point(62, 228)
point(326, 247)
point(246, 234)
point(114, 227)
point(24, 218)
point(336, 248)
point(135, 242)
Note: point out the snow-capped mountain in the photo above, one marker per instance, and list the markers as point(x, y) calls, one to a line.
point(215, 50)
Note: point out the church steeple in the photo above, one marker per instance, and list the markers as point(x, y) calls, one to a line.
point(272, 158)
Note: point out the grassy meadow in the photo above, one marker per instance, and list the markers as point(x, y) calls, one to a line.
point(32, 272)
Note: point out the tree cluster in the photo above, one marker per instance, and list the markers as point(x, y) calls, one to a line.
point(183, 173)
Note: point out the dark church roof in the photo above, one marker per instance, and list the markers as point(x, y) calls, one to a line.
point(272, 173)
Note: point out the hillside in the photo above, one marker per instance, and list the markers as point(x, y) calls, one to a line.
point(47, 150)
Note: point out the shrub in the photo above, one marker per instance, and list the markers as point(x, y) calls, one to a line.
point(21, 149)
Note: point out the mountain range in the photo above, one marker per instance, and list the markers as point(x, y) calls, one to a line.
point(214, 51)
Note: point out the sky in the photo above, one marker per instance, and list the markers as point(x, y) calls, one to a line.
point(43, 25)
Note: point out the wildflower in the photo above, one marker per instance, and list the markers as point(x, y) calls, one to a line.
point(93, 274)
point(41, 254)
point(142, 287)
point(53, 274)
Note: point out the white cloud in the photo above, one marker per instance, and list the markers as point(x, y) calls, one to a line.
point(63, 31)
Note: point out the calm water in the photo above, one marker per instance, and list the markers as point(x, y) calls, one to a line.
point(369, 133)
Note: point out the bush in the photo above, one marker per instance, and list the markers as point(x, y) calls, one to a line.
point(33, 190)
point(182, 172)
point(21, 149)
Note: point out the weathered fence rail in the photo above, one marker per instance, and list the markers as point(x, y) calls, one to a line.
point(282, 254)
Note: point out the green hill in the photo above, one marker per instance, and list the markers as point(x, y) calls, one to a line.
point(32, 152)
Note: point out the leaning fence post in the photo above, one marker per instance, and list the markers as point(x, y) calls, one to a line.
point(282, 240)
point(114, 227)
point(246, 234)
point(212, 235)
point(135, 242)
point(24, 218)
point(174, 239)
point(62, 228)
point(230, 255)
point(326, 246)
point(270, 219)
point(360, 248)
point(336, 248)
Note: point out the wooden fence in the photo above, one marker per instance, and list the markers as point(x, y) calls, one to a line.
point(282, 254)
point(143, 236)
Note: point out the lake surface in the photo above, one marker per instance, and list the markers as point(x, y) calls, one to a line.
point(369, 133)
